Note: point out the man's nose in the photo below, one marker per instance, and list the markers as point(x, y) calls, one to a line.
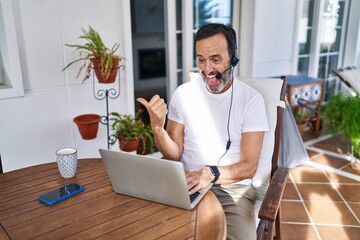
point(208, 68)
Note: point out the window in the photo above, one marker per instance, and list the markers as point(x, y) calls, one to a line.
point(320, 41)
point(10, 73)
point(304, 40)
point(331, 28)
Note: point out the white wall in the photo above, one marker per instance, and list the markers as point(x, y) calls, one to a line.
point(33, 127)
point(267, 37)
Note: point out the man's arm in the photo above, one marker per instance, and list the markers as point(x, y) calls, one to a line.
point(251, 145)
point(170, 141)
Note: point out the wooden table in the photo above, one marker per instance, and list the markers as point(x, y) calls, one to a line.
point(98, 212)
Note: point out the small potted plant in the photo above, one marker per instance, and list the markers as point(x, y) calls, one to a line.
point(95, 54)
point(302, 117)
point(130, 131)
point(342, 115)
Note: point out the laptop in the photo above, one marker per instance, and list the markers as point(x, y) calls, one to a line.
point(158, 180)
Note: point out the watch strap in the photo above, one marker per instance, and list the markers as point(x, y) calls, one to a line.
point(215, 171)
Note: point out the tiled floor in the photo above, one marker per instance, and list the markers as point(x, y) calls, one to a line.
point(322, 199)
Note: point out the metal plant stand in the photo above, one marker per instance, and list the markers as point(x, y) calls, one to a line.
point(106, 93)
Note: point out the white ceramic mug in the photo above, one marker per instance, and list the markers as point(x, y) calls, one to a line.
point(66, 159)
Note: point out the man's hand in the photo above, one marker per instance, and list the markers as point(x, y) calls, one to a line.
point(170, 141)
point(198, 179)
point(157, 110)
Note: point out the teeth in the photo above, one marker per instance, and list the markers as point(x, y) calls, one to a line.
point(210, 76)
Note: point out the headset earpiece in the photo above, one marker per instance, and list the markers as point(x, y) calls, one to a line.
point(234, 60)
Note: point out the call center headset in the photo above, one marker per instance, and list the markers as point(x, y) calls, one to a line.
point(231, 39)
point(233, 62)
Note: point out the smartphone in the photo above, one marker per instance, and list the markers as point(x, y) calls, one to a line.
point(61, 193)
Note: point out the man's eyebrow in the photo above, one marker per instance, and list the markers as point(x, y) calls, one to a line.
point(215, 56)
point(212, 56)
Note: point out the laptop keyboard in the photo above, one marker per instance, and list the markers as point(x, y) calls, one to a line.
point(194, 196)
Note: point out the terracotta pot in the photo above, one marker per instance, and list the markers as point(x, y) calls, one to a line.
point(301, 128)
point(88, 125)
point(129, 146)
point(113, 72)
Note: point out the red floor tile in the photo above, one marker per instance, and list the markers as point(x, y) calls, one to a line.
point(297, 232)
point(293, 212)
point(304, 174)
point(331, 213)
point(333, 219)
point(336, 178)
point(338, 232)
point(350, 192)
point(330, 161)
point(318, 192)
point(355, 207)
point(290, 192)
point(333, 144)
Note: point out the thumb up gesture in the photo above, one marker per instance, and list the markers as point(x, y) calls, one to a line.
point(157, 110)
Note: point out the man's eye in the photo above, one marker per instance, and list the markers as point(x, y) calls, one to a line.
point(201, 60)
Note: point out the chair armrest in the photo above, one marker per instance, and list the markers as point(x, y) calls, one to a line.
point(271, 202)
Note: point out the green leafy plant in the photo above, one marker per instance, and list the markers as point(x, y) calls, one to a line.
point(301, 115)
point(128, 127)
point(94, 48)
point(342, 116)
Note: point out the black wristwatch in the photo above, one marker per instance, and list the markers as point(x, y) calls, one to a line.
point(215, 171)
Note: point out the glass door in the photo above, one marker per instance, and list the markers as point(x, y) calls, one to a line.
point(321, 40)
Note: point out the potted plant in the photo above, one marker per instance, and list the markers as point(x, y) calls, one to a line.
point(341, 115)
point(302, 117)
point(129, 131)
point(95, 54)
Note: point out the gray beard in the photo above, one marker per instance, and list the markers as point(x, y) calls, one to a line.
point(226, 78)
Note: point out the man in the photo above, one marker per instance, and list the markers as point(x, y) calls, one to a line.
point(215, 126)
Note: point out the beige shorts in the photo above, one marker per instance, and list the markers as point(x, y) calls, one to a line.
point(238, 204)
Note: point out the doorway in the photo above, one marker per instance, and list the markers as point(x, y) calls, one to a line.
point(149, 54)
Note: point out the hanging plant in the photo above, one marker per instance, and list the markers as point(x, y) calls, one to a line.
point(95, 54)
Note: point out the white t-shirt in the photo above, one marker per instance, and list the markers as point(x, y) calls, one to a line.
point(205, 119)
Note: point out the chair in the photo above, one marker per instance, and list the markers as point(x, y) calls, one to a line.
point(350, 76)
point(270, 180)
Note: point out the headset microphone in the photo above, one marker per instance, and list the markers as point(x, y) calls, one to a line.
point(218, 76)
point(234, 61)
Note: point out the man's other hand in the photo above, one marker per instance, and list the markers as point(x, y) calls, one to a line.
point(157, 110)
